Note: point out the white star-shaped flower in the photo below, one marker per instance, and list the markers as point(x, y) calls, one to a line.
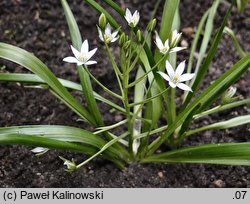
point(132, 19)
point(108, 35)
point(176, 77)
point(175, 38)
point(165, 47)
point(82, 57)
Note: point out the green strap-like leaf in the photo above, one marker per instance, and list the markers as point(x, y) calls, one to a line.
point(39, 141)
point(74, 33)
point(236, 43)
point(59, 133)
point(100, 9)
point(234, 122)
point(228, 154)
point(220, 108)
point(207, 35)
point(241, 5)
point(115, 6)
point(168, 15)
point(201, 72)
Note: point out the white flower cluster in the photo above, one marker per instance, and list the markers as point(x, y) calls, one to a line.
point(174, 77)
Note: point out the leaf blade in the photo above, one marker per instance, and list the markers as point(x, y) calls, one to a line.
point(227, 154)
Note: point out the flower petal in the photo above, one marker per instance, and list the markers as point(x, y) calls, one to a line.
point(114, 34)
point(80, 63)
point(100, 34)
point(166, 44)
point(136, 17)
point(173, 85)
point(90, 62)
point(174, 34)
point(85, 46)
point(75, 52)
point(177, 49)
point(169, 69)
point(165, 76)
point(90, 54)
point(114, 39)
point(180, 68)
point(184, 87)
point(158, 41)
point(186, 77)
point(128, 15)
point(108, 29)
point(70, 60)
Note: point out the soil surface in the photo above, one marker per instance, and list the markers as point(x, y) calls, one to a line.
point(39, 27)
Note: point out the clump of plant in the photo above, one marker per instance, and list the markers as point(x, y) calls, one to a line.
point(151, 119)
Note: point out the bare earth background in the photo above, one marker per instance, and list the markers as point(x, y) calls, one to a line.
point(39, 27)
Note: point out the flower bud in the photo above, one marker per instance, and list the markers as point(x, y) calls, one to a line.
point(228, 96)
point(122, 39)
point(127, 38)
point(138, 36)
point(127, 44)
point(71, 165)
point(102, 21)
point(151, 25)
point(175, 38)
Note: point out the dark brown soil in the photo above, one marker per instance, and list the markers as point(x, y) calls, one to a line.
point(39, 27)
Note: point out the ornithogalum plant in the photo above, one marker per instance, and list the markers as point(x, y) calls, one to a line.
point(151, 118)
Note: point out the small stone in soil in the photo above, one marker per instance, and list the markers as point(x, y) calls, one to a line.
point(188, 31)
point(91, 172)
point(118, 117)
point(218, 183)
point(184, 43)
point(160, 174)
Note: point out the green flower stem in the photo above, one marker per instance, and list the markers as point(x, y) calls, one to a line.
point(147, 99)
point(92, 105)
point(118, 74)
point(172, 104)
point(129, 117)
point(131, 53)
point(122, 141)
point(155, 131)
point(139, 53)
point(104, 87)
point(110, 127)
point(106, 146)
